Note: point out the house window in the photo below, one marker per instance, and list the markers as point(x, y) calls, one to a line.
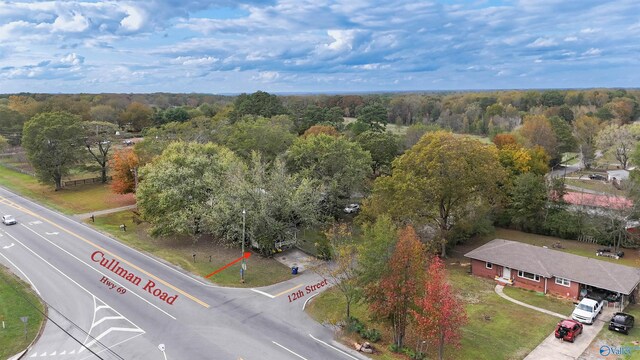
point(489, 265)
point(530, 276)
point(563, 282)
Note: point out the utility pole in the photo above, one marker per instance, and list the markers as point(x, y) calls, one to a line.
point(244, 265)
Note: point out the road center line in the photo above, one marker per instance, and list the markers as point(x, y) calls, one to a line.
point(298, 355)
point(94, 269)
point(286, 291)
point(18, 207)
point(333, 347)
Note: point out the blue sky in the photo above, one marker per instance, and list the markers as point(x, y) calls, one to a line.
point(229, 46)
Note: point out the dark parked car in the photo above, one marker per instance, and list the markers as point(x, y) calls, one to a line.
point(568, 330)
point(621, 322)
point(597, 177)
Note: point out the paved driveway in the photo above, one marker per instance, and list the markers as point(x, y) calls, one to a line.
point(555, 349)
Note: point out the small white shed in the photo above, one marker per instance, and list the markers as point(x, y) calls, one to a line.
point(617, 174)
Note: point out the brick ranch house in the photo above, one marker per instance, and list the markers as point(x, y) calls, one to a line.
point(551, 271)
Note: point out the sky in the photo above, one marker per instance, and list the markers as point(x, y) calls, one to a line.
point(297, 46)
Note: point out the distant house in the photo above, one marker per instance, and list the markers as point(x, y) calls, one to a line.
point(618, 175)
point(581, 199)
point(550, 271)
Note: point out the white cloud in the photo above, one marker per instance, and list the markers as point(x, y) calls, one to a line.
point(342, 39)
point(542, 42)
point(571, 39)
point(72, 59)
point(589, 30)
point(73, 23)
point(592, 52)
point(266, 76)
point(134, 20)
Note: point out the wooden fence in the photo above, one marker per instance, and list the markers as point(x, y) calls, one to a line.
point(77, 182)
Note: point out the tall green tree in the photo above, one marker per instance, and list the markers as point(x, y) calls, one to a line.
point(179, 187)
point(341, 166)
point(528, 201)
point(270, 137)
point(11, 123)
point(53, 142)
point(137, 116)
point(99, 139)
point(374, 116)
point(563, 131)
point(586, 129)
point(439, 181)
point(383, 147)
point(259, 103)
point(374, 253)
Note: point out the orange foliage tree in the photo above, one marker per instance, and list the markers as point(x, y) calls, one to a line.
point(439, 314)
point(502, 140)
point(400, 286)
point(321, 129)
point(124, 168)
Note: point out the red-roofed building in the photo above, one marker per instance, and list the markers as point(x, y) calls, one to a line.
point(601, 201)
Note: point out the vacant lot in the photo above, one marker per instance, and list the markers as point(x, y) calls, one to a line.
point(73, 200)
point(209, 256)
point(16, 299)
point(595, 185)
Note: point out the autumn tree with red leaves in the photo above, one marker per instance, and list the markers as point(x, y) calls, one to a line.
point(439, 314)
point(123, 171)
point(397, 290)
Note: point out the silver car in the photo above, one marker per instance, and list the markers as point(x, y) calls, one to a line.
point(352, 208)
point(8, 220)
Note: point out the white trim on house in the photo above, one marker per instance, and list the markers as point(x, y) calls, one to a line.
point(488, 265)
point(523, 274)
point(563, 281)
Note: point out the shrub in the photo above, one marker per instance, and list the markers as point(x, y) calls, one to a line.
point(372, 335)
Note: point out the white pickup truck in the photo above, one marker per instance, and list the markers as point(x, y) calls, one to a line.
point(587, 310)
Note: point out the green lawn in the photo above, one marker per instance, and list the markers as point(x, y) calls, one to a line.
point(15, 296)
point(595, 185)
point(615, 339)
point(73, 200)
point(495, 329)
point(558, 305)
point(179, 251)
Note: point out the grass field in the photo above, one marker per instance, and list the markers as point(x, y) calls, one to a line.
point(612, 338)
point(595, 185)
point(179, 251)
point(73, 200)
point(15, 296)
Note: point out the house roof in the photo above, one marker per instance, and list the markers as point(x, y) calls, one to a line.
point(549, 263)
point(618, 172)
point(604, 201)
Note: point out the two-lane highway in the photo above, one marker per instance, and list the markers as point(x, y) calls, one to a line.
point(110, 301)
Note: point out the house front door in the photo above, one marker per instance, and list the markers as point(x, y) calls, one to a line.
point(506, 273)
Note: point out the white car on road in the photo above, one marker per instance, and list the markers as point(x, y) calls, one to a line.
point(587, 310)
point(8, 220)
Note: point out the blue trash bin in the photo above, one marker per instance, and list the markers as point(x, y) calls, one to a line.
point(294, 270)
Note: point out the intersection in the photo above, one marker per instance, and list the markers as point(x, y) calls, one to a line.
point(107, 312)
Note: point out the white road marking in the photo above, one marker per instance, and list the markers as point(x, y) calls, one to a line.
point(333, 347)
point(94, 269)
point(306, 301)
point(43, 354)
point(72, 352)
point(298, 355)
point(263, 293)
point(97, 338)
point(52, 233)
point(37, 222)
point(102, 307)
point(8, 246)
point(105, 319)
point(25, 275)
point(53, 353)
point(34, 355)
point(112, 346)
point(63, 353)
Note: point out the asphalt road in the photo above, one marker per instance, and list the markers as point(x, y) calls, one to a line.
point(101, 311)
